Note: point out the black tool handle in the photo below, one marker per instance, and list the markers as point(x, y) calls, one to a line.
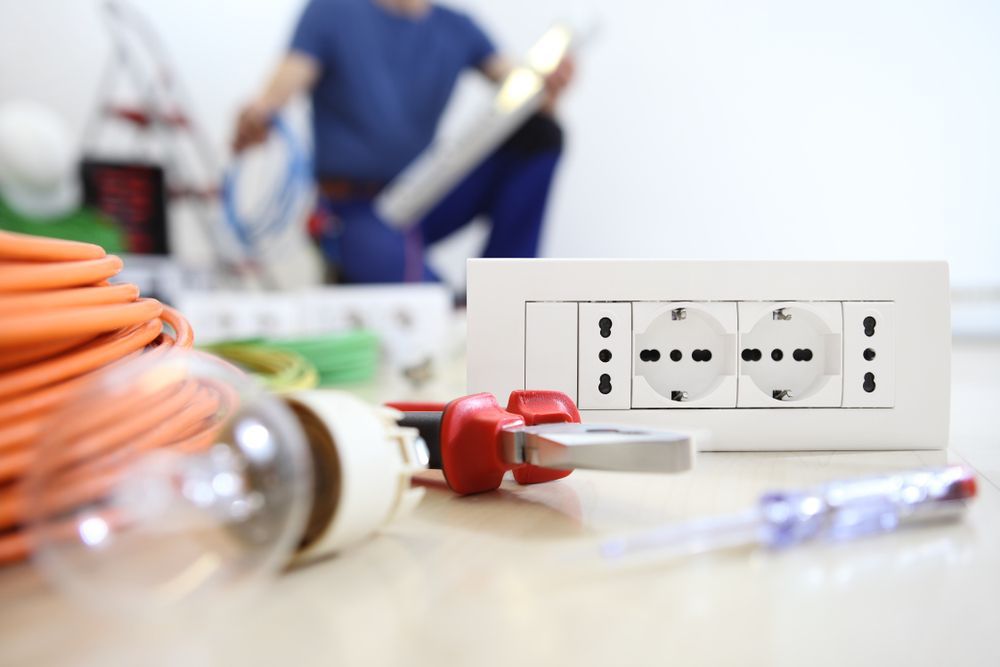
point(428, 424)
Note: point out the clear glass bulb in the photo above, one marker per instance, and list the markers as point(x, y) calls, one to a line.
point(168, 477)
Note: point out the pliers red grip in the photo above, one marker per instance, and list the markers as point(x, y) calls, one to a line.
point(475, 441)
point(468, 446)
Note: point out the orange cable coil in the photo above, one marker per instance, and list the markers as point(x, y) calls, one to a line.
point(60, 322)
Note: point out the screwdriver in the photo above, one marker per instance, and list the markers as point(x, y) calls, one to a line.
point(836, 511)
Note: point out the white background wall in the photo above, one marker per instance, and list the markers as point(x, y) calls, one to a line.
point(698, 128)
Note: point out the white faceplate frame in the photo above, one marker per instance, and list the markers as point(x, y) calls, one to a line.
point(499, 290)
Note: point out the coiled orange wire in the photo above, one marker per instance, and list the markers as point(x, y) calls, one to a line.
point(60, 322)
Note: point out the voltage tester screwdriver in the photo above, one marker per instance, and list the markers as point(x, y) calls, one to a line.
point(836, 511)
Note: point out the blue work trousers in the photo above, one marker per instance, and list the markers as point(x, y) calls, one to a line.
point(511, 188)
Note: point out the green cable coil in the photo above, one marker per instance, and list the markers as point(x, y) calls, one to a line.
point(339, 359)
point(304, 363)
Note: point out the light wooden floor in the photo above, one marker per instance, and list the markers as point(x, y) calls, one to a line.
point(513, 578)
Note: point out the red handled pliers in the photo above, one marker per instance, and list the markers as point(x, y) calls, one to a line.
point(539, 437)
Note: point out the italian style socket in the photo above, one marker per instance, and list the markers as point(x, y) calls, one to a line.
point(869, 355)
point(604, 368)
point(790, 354)
point(684, 355)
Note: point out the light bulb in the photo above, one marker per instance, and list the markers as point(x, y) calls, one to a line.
point(174, 476)
point(169, 477)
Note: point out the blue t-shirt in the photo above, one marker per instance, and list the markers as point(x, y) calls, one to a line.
point(385, 81)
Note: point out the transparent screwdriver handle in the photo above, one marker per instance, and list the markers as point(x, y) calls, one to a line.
point(847, 509)
point(835, 511)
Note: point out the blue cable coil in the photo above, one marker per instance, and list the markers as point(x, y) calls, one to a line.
point(278, 213)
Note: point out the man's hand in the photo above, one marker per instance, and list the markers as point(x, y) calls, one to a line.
point(252, 126)
point(296, 74)
point(496, 68)
point(557, 82)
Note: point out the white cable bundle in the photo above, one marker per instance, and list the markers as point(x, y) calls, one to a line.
point(433, 174)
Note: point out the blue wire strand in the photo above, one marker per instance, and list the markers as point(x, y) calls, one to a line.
point(279, 211)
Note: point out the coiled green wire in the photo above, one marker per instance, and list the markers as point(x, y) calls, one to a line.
point(339, 359)
point(304, 363)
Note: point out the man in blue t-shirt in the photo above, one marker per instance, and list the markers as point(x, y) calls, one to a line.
point(380, 74)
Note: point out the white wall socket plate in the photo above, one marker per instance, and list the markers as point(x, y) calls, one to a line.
point(758, 355)
point(413, 322)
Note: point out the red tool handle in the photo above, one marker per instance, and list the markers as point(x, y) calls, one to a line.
point(470, 437)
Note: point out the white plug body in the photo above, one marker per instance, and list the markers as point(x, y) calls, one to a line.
point(763, 355)
point(363, 465)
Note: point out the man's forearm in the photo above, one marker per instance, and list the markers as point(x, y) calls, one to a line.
point(496, 68)
point(296, 74)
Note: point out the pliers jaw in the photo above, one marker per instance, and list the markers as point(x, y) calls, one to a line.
point(598, 447)
point(540, 438)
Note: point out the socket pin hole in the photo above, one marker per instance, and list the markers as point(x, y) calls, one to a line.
point(649, 355)
point(605, 384)
point(869, 354)
point(751, 354)
point(869, 384)
point(777, 354)
point(802, 354)
point(605, 355)
point(605, 326)
point(676, 355)
point(701, 355)
point(869, 324)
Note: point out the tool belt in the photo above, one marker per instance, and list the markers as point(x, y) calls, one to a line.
point(345, 189)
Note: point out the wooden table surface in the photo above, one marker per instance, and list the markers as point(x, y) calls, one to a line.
point(514, 578)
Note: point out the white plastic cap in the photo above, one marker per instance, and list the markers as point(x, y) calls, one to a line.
point(364, 465)
point(38, 161)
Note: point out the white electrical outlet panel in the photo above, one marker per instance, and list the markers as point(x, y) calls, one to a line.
point(759, 355)
point(411, 321)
